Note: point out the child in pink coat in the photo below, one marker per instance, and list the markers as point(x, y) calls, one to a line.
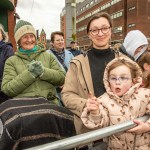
point(124, 100)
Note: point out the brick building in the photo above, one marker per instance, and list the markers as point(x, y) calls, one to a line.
point(68, 21)
point(126, 14)
point(63, 23)
point(8, 18)
point(42, 38)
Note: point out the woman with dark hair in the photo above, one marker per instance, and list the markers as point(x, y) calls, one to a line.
point(6, 50)
point(86, 71)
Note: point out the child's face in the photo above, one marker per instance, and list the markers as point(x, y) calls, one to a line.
point(120, 80)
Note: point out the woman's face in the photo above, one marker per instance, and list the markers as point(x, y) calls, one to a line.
point(100, 33)
point(27, 41)
point(58, 43)
point(1, 36)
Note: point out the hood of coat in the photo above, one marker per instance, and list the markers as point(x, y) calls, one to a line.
point(31, 56)
point(133, 89)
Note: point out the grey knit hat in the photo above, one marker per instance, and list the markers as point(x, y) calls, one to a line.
point(23, 27)
point(133, 40)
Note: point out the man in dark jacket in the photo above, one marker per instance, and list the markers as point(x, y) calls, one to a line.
point(74, 49)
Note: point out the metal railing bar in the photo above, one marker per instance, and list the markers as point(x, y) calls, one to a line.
point(88, 137)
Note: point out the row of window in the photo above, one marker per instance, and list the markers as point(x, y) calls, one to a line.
point(117, 14)
point(87, 5)
point(109, 4)
point(82, 28)
point(113, 16)
point(112, 2)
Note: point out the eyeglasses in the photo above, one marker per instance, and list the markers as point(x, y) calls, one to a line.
point(104, 30)
point(123, 79)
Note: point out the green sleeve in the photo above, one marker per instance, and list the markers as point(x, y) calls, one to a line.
point(13, 83)
point(54, 75)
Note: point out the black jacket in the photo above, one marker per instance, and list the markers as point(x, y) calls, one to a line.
point(6, 50)
point(75, 52)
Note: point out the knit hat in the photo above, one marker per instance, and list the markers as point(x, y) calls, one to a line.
point(23, 27)
point(133, 40)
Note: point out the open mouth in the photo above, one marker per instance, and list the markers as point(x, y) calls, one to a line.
point(117, 90)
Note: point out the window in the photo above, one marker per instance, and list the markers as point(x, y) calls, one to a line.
point(91, 3)
point(131, 8)
point(117, 29)
point(131, 25)
point(87, 5)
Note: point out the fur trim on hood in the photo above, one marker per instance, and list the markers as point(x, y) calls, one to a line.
point(137, 84)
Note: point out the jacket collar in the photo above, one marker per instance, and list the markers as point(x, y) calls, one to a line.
point(82, 63)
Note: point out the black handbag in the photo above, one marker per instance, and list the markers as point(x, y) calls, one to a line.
point(3, 97)
point(30, 122)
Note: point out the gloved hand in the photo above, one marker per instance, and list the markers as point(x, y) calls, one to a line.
point(36, 68)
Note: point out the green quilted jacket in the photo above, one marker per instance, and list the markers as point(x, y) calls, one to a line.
point(19, 82)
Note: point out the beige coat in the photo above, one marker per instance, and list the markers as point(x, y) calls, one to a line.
point(113, 110)
point(77, 85)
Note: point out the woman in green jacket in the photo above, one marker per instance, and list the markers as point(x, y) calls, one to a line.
point(31, 72)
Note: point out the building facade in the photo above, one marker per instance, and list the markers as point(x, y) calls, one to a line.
point(63, 23)
point(126, 15)
point(42, 38)
point(8, 18)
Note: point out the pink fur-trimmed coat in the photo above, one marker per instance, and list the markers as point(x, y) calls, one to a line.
point(113, 110)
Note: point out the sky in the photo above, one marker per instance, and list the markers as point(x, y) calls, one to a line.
point(41, 14)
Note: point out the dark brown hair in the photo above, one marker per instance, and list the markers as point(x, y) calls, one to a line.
point(56, 33)
point(145, 58)
point(97, 16)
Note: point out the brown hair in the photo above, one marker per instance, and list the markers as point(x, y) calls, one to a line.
point(145, 58)
point(56, 33)
point(97, 16)
point(125, 63)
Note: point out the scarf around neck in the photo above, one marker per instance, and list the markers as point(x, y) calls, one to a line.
point(28, 52)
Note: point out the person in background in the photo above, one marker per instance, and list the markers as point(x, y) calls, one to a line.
point(124, 100)
point(62, 55)
point(116, 46)
point(134, 45)
point(84, 74)
point(6, 50)
point(74, 49)
point(31, 72)
point(144, 63)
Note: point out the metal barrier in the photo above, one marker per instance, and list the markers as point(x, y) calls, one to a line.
point(82, 139)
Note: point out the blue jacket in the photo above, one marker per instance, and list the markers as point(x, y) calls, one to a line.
point(68, 57)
